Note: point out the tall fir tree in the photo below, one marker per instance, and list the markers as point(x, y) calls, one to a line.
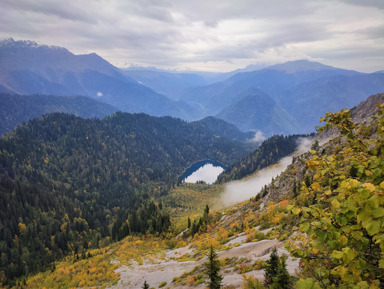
point(282, 280)
point(272, 268)
point(213, 270)
point(206, 214)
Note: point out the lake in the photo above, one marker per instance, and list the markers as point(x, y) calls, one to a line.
point(206, 171)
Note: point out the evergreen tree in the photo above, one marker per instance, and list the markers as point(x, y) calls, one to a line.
point(145, 285)
point(272, 268)
point(307, 181)
point(282, 280)
point(206, 214)
point(213, 269)
point(315, 146)
point(294, 189)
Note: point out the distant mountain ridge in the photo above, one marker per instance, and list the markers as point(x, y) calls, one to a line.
point(170, 84)
point(254, 109)
point(304, 90)
point(16, 109)
point(30, 68)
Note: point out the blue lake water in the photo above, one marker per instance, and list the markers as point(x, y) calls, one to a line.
point(206, 171)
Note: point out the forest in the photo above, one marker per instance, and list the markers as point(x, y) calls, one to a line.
point(269, 153)
point(68, 184)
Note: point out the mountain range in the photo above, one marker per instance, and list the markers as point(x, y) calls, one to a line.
point(279, 99)
point(299, 91)
point(30, 68)
point(16, 109)
point(75, 182)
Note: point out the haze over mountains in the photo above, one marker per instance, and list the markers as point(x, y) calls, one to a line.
point(29, 68)
point(280, 99)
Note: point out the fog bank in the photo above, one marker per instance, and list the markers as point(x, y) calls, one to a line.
point(239, 191)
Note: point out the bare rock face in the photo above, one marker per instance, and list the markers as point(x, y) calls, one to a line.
point(366, 109)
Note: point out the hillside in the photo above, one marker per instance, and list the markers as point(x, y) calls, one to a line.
point(361, 114)
point(224, 129)
point(69, 183)
point(269, 153)
point(318, 186)
point(16, 109)
point(254, 110)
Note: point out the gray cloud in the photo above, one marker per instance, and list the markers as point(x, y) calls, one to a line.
point(368, 3)
point(206, 35)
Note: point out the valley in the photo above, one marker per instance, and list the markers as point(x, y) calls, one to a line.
point(243, 234)
point(125, 177)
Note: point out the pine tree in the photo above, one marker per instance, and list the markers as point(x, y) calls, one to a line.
point(145, 285)
point(272, 268)
point(294, 189)
point(213, 269)
point(315, 146)
point(282, 280)
point(206, 214)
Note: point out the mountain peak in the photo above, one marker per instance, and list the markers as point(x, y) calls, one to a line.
point(10, 43)
point(300, 65)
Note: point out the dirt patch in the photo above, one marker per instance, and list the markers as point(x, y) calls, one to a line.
point(239, 240)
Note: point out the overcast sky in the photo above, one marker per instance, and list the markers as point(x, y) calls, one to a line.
point(210, 35)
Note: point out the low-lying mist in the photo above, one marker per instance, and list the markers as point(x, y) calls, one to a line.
point(239, 191)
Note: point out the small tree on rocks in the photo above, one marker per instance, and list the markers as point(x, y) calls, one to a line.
point(272, 268)
point(213, 269)
point(145, 285)
point(282, 280)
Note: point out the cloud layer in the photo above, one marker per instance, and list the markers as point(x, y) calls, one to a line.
point(205, 35)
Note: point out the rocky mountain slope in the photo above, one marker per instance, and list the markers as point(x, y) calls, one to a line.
point(296, 172)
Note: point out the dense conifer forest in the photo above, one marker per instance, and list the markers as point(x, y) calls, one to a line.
point(68, 184)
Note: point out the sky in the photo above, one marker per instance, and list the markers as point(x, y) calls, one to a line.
point(205, 35)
